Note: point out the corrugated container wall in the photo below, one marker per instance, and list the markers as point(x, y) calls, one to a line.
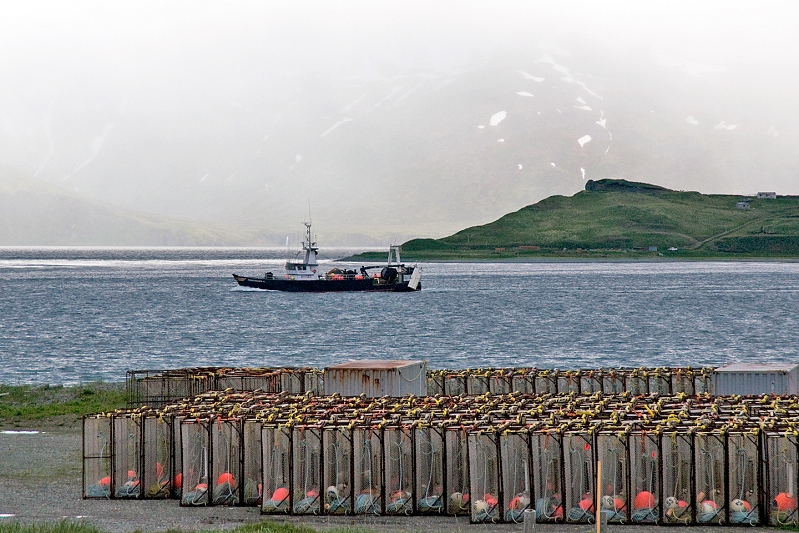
point(377, 378)
point(753, 379)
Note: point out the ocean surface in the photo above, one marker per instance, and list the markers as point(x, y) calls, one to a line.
point(69, 315)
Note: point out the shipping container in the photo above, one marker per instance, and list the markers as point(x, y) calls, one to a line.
point(748, 379)
point(377, 378)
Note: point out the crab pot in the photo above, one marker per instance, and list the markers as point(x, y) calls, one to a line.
point(514, 450)
point(546, 382)
point(159, 457)
point(126, 477)
point(744, 479)
point(306, 463)
point(248, 379)
point(613, 382)
point(97, 456)
point(579, 473)
point(429, 479)
point(399, 470)
point(682, 380)
point(195, 436)
point(703, 381)
point(638, 382)
point(252, 476)
point(455, 384)
point(547, 461)
point(590, 381)
point(314, 382)
point(645, 468)
point(500, 382)
point(660, 381)
point(477, 383)
point(177, 462)
point(614, 491)
point(368, 486)
point(276, 461)
point(456, 469)
point(292, 381)
point(337, 472)
point(678, 494)
point(568, 382)
point(523, 381)
point(710, 467)
point(435, 383)
point(227, 461)
point(484, 477)
point(782, 471)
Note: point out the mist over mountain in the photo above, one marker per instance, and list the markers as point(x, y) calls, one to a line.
point(238, 133)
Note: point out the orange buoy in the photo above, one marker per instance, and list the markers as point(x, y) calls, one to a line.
point(201, 486)
point(131, 474)
point(311, 494)
point(785, 502)
point(644, 500)
point(587, 504)
point(280, 494)
point(105, 481)
point(515, 503)
point(226, 477)
point(490, 500)
point(179, 480)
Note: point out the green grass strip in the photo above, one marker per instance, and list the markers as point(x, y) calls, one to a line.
point(29, 402)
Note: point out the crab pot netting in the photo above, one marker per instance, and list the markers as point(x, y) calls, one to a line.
point(267, 381)
point(306, 463)
point(177, 462)
point(435, 383)
point(195, 437)
point(614, 492)
point(682, 380)
point(676, 451)
point(337, 472)
point(645, 468)
point(709, 468)
point(613, 382)
point(399, 470)
point(430, 470)
point(454, 384)
point(314, 382)
point(484, 477)
point(743, 478)
point(590, 381)
point(516, 475)
point(368, 485)
point(159, 451)
point(292, 381)
point(456, 471)
point(276, 461)
point(127, 443)
point(226, 461)
point(782, 472)
point(524, 382)
point(546, 382)
point(500, 382)
point(477, 384)
point(578, 463)
point(569, 382)
point(96, 457)
point(637, 383)
point(252, 475)
point(660, 382)
point(546, 455)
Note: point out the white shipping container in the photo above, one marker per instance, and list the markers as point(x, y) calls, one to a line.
point(377, 378)
point(749, 379)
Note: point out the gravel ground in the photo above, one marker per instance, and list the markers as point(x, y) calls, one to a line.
point(40, 481)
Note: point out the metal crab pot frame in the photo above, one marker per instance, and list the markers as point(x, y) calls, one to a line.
point(227, 461)
point(660, 381)
point(546, 382)
point(517, 475)
point(746, 504)
point(306, 470)
point(485, 473)
point(682, 381)
point(613, 382)
point(637, 382)
point(97, 456)
point(590, 381)
point(435, 383)
point(455, 384)
point(579, 470)
point(477, 383)
point(195, 442)
point(612, 450)
point(337, 472)
point(252, 456)
point(523, 381)
point(159, 457)
point(677, 467)
point(430, 482)
point(781, 455)
point(569, 382)
point(242, 380)
point(456, 471)
point(400, 470)
point(314, 379)
point(276, 451)
point(369, 489)
point(711, 471)
point(645, 477)
point(127, 462)
point(548, 483)
point(500, 382)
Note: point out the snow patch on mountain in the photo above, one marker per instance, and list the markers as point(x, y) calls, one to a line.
point(724, 126)
point(530, 77)
point(584, 139)
point(496, 118)
point(583, 107)
point(691, 120)
point(336, 125)
point(524, 93)
point(773, 132)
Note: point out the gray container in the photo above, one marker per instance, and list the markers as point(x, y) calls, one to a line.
point(749, 379)
point(377, 378)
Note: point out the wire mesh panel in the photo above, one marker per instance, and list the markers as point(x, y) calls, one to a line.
point(457, 471)
point(548, 476)
point(580, 476)
point(614, 491)
point(590, 381)
point(484, 477)
point(337, 473)
point(783, 469)
point(477, 382)
point(196, 444)
point(612, 382)
point(568, 382)
point(709, 461)
point(306, 464)
point(514, 450)
point(252, 476)
point(429, 470)
point(678, 473)
point(546, 382)
point(368, 487)
point(125, 479)
point(645, 468)
point(638, 382)
point(500, 382)
point(523, 380)
point(226, 464)
point(314, 382)
point(435, 383)
point(455, 384)
point(682, 381)
point(292, 381)
point(96, 457)
point(660, 381)
point(276, 453)
point(744, 478)
point(399, 470)
point(157, 472)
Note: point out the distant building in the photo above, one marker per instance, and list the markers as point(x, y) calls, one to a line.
point(742, 205)
point(767, 195)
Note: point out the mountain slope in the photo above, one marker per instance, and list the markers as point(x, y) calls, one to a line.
point(617, 215)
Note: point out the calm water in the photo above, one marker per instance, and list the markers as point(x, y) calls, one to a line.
point(71, 315)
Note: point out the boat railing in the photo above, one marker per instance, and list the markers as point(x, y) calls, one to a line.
point(342, 277)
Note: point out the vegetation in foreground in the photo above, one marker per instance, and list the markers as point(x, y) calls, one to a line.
point(617, 219)
point(66, 526)
point(41, 402)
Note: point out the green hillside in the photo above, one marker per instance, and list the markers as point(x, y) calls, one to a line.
point(617, 218)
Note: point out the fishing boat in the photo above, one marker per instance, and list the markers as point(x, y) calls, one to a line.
point(306, 276)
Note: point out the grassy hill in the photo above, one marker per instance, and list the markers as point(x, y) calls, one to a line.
point(618, 218)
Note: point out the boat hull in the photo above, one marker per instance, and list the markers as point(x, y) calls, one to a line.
point(324, 285)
